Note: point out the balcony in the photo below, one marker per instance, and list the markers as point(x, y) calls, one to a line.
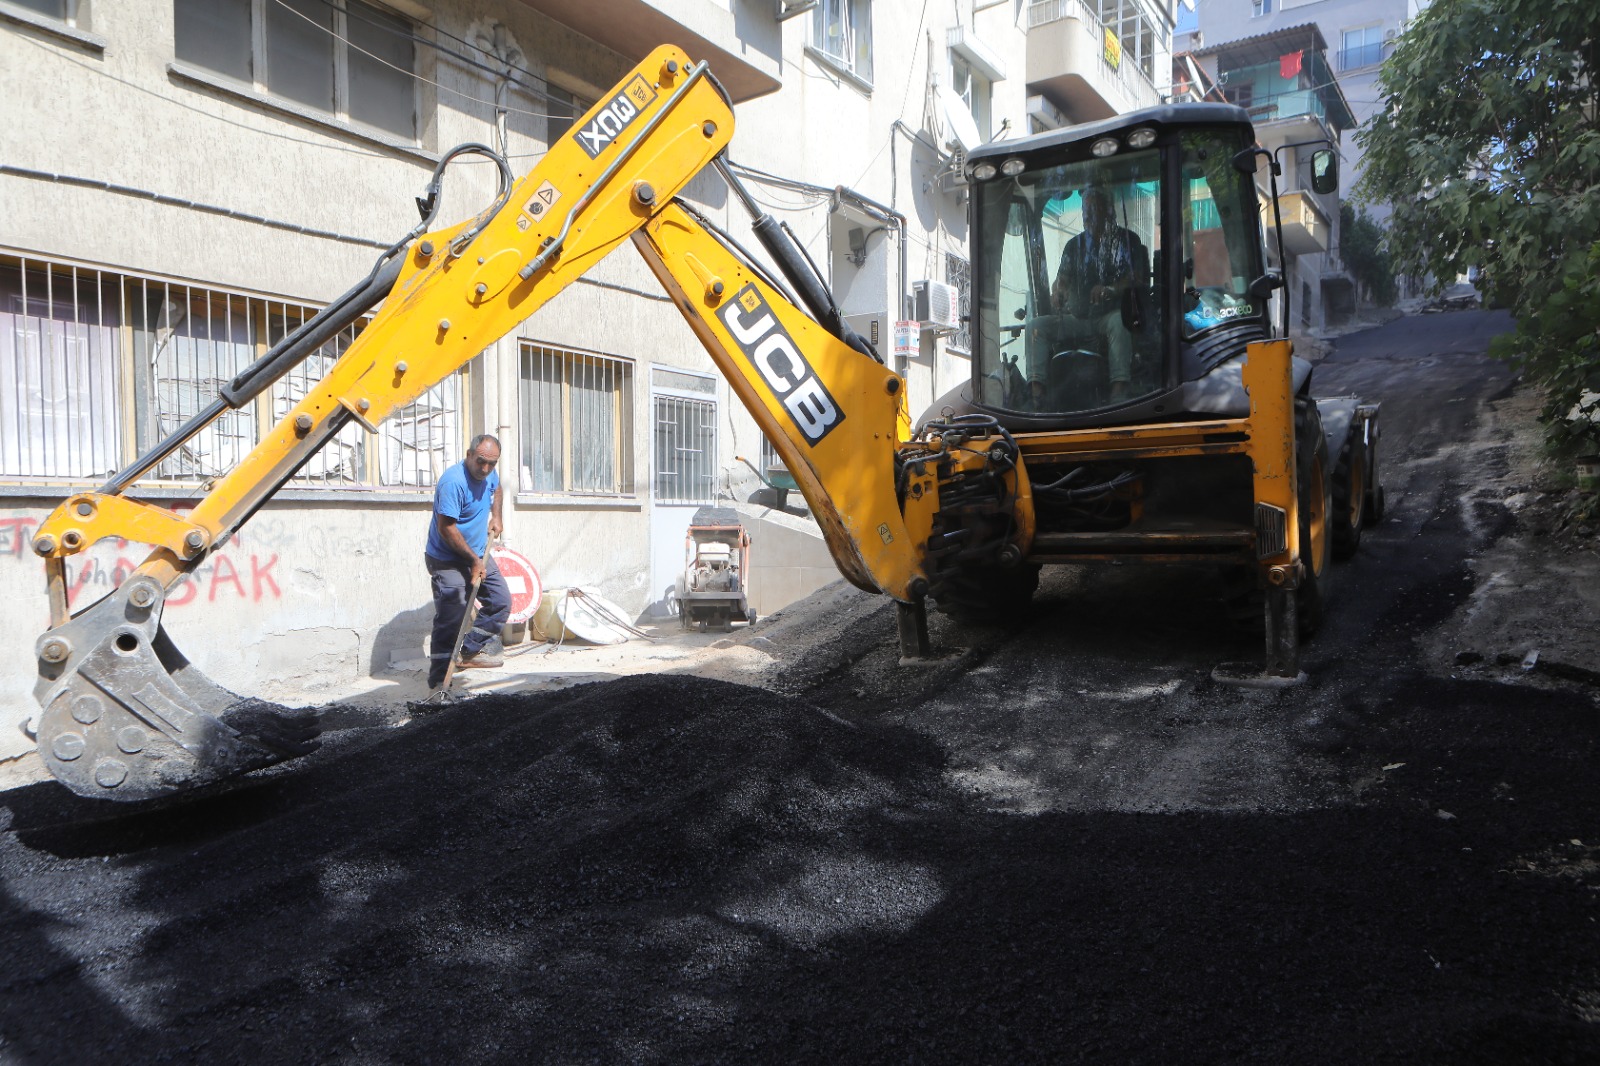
point(745, 55)
point(1306, 228)
point(1067, 64)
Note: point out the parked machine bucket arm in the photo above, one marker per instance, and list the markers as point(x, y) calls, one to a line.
point(124, 715)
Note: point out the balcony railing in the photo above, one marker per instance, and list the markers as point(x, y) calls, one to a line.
point(1288, 105)
point(1139, 83)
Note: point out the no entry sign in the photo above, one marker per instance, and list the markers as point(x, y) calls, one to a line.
point(523, 581)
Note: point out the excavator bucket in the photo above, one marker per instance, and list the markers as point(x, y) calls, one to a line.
point(126, 717)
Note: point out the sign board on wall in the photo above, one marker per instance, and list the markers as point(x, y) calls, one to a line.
point(907, 341)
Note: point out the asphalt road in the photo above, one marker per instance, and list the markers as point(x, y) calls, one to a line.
point(1063, 843)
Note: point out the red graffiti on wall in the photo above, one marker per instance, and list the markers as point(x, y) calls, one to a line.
point(220, 576)
point(16, 534)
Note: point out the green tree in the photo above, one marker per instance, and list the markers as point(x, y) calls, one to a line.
point(1488, 150)
point(1361, 246)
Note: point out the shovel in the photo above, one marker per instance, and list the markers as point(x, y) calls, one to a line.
point(466, 622)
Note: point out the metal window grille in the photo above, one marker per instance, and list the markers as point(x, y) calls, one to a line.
point(61, 385)
point(958, 272)
point(686, 450)
point(97, 367)
point(565, 108)
point(577, 418)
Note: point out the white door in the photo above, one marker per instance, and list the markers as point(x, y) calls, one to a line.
point(684, 472)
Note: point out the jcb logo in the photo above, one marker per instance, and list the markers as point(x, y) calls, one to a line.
point(772, 351)
point(615, 117)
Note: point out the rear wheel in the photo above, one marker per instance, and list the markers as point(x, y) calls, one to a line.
point(1316, 509)
point(1243, 598)
point(1350, 494)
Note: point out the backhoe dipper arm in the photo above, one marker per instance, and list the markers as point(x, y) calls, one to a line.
point(830, 410)
point(124, 715)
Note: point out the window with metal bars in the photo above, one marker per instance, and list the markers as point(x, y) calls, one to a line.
point(97, 367)
point(576, 421)
point(958, 273)
point(686, 449)
point(346, 58)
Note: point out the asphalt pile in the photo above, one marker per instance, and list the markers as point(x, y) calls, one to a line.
point(665, 869)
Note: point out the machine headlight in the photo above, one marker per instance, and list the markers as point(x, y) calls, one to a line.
point(1012, 167)
point(1141, 138)
point(983, 171)
point(1104, 146)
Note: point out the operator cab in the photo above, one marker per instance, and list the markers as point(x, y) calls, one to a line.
point(1112, 263)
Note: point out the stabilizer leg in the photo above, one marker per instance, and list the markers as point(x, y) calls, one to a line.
point(912, 620)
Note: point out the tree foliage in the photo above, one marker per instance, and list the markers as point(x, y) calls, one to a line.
point(1488, 150)
point(1361, 246)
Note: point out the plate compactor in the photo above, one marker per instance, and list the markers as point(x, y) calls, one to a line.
point(714, 587)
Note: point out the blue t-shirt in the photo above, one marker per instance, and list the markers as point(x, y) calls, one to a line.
point(470, 502)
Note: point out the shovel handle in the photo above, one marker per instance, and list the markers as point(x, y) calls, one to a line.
point(466, 620)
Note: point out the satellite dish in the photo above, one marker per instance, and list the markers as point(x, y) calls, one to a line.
point(960, 130)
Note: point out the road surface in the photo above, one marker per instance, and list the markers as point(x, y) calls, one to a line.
point(1063, 843)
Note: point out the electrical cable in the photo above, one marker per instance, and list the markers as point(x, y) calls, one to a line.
point(494, 105)
point(468, 60)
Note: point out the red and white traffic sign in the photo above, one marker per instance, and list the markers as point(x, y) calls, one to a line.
point(523, 581)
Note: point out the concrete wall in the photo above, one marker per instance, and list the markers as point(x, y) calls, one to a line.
point(788, 558)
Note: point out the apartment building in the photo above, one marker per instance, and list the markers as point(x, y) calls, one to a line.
point(1356, 36)
point(1283, 78)
point(182, 182)
point(1091, 59)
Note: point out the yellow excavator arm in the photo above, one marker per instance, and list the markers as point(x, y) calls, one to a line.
point(125, 717)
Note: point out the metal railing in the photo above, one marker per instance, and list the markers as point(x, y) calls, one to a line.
point(1135, 80)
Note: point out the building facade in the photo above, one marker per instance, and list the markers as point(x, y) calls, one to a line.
point(1283, 79)
point(182, 182)
point(1356, 37)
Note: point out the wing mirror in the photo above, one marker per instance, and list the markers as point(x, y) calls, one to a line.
point(1324, 171)
point(1263, 287)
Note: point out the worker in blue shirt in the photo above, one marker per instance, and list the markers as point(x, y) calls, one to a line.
point(466, 517)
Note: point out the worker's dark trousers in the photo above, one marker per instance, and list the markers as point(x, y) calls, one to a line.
point(451, 580)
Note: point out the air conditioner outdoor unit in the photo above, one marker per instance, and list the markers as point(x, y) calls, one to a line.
point(936, 306)
point(953, 175)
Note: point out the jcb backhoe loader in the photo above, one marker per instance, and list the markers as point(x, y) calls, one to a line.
point(1195, 456)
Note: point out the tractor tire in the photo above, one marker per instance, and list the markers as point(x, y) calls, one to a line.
point(1350, 495)
point(1242, 598)
point(1316, 512)
point(987, 595)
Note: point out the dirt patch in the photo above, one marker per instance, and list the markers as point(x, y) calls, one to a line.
point(1533, 615)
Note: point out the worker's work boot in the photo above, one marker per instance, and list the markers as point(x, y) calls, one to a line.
point(485, 658)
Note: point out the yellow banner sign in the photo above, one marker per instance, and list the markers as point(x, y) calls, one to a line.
point(1113, 50)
